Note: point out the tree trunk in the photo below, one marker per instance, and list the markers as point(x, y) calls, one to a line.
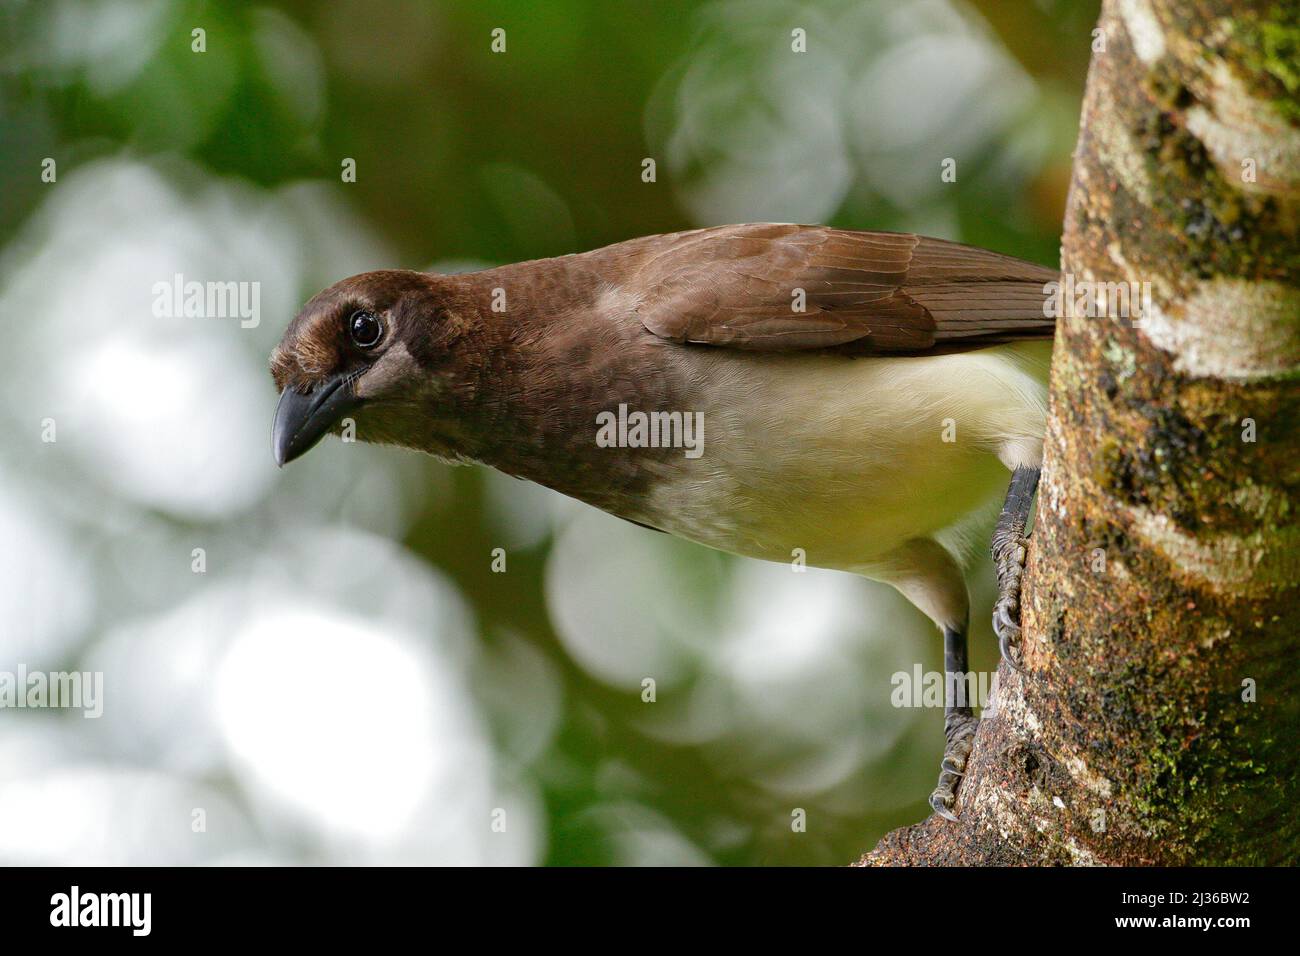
point(1160, 723)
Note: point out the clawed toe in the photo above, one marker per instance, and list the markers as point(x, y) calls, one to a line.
point(1005, 626)
point(1008, 632)
point(960, 736)
point(1006, 647)
point(1010, 565)
point(941, 802)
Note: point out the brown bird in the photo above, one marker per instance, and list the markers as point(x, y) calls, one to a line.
point(854, 399)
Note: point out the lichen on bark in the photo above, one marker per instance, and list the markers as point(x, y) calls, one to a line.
point(1162, 600)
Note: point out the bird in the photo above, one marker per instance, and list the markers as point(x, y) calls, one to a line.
point(855, 400)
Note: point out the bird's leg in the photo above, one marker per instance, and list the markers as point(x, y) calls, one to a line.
point(958, 723)
point(1009, 548)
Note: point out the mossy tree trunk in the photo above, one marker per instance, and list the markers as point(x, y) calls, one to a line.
point(1161, 720)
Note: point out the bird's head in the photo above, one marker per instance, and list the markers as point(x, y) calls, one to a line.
point(357, 349)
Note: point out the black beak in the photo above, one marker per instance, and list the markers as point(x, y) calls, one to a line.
point(302, 420)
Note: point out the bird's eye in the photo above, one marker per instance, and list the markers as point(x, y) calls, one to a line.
point(366, 328)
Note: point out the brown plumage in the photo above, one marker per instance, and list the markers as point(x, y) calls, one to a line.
point(734, 286)
point(865, 292)
point(518, 388)
point(857, 396)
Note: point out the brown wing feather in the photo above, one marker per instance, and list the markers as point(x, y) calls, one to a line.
point(864, 292)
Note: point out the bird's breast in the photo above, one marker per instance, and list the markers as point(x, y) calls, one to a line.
point(836, 460)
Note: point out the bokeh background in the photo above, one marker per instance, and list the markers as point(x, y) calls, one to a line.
point(347, 680)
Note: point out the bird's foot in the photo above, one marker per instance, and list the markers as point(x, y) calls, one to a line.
point(1009, 559)
point(959, 731)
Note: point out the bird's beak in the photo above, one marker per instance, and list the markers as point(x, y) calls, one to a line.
point(302, 420)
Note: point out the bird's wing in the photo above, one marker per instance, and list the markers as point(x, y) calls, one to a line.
point(744, 287)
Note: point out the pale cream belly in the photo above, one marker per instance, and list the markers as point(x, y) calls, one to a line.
point(847, 460)
point(834, 522)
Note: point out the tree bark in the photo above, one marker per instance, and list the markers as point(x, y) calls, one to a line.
point(1160, 723)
